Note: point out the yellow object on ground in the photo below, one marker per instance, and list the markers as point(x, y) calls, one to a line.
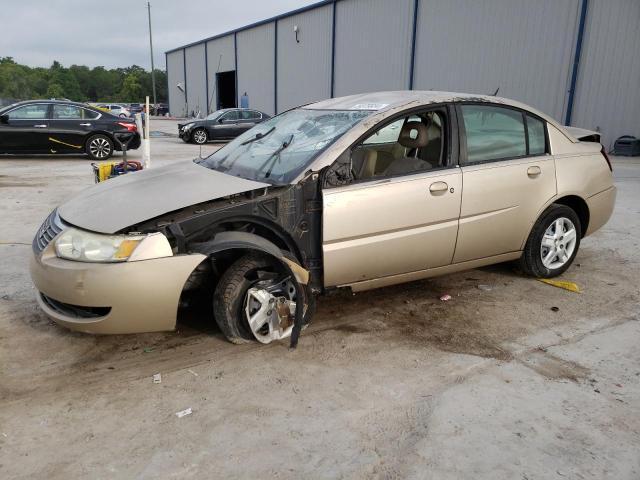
point(571, 286)
point(103, 170)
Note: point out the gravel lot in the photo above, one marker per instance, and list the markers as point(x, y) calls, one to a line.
point(391, 383)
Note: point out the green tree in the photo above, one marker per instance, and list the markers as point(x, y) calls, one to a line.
point(131, 88)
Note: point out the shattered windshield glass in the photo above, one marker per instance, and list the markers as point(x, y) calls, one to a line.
point(276, 151)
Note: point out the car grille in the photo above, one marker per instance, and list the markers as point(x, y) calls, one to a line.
point(74, 311)
point(51, 227)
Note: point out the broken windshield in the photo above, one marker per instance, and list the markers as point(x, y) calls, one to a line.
point(276, 151)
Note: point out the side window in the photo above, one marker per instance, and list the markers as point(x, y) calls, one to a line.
point(537, 139)
point(67, 112)
point(411, 144)
point(89, 114)
point(30, 112)
point(231, 116)
point(255, 115)
point(493, 133)
point(245, 115)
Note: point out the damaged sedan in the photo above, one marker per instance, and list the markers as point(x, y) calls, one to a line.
point(361, 192)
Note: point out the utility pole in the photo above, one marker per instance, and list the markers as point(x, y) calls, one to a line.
point(153, 75)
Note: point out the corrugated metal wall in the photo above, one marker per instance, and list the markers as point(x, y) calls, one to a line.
point(221, 58)
point(524, 47)
point(196, 84)
point(608, 87)
point(304, 68)
point(256, 66)
point(373, 45)
point(175, 75)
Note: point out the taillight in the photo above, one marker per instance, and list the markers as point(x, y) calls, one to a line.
point(131, 127)
point(606, 157)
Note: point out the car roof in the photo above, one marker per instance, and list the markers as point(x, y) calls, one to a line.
point(381, 101)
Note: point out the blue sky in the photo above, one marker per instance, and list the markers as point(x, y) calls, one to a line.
point(114, 33)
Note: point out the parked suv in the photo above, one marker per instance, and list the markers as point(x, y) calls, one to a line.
point(43, 126)
point(360, 192)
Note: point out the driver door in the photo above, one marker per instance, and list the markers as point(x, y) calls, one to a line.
point(387, 221)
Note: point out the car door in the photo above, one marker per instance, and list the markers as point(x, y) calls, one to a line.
point(25, 129)
point(382, 224)
point(246, 121)
point(69, 127)
point(226, 125)
point(508, 176)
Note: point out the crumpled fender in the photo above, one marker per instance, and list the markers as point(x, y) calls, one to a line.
point(249, 241)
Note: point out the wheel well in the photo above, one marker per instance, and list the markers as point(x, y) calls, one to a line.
point(579, 206)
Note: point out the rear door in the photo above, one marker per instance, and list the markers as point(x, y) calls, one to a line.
point(26, 129)
point(247, 120)
point(508, 175)
point(69, 127)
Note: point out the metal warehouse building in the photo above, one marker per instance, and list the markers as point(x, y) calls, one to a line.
point(577, 60)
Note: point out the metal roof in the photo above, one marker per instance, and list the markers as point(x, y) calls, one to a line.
point(256, 24)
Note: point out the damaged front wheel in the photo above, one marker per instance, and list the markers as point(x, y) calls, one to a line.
point(255, 299)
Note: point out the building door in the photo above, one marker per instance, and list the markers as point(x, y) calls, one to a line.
point(226, 88)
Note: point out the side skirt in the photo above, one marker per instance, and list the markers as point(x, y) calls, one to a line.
point(431, 272)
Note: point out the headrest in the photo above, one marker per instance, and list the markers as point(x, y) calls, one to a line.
point(414, 135)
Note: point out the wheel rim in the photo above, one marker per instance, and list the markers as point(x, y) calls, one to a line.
point(270, 309)
point(199, 136)
point(100, 148)
point(558, 243)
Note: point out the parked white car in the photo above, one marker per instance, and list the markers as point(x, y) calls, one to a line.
point(115, 109)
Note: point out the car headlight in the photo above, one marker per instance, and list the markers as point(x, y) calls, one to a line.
point(83, 246)
point(188, 126)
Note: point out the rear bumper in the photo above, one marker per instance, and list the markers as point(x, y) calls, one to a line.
point(128, 297)
point(601, 207)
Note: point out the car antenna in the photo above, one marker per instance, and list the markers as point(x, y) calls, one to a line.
point(496, 92)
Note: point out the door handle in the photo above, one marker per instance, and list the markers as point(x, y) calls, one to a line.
point(438, 187)
point(85, 124)
point(40, 126)
point(534, 171)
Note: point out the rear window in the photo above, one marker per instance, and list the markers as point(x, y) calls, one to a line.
point(537, 138)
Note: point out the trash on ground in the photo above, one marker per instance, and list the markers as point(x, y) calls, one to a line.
point(192, 373)
point(486, 288)
point(157, 378)
point(571, 286)
point(184, 413)
point(446, 297)
point(555, 309)
point(148, 350)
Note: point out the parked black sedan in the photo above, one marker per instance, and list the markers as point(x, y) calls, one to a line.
point(47, 126)
point(223, 124)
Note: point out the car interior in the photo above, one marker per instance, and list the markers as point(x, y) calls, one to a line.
point(411, 144)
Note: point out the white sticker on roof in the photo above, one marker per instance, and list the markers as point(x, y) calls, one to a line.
point(369, 106)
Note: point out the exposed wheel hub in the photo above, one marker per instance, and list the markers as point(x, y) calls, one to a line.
point(270, 310)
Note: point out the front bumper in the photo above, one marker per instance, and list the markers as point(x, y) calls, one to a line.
point(128, 297)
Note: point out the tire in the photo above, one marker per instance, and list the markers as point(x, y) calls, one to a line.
point(199, 136)
point(230, 293)
point(99, 147)
point(556, 217)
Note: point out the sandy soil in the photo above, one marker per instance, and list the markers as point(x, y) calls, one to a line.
point(391, 383)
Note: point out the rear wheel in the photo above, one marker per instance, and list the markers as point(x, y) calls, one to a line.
point(199, 136)
point(99, 147)
point(553, 243)
point(255, 300)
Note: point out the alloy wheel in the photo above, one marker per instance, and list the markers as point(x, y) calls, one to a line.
point(558, 243)
point(270, 308)
point(199, 136)
point(100, 147)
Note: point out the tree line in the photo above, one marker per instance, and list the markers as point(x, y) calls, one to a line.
point(79, 83)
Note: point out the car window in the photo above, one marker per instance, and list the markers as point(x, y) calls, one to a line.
point(30, 112)
point(232, 115)
point(255, 115)
point(493, 133)
point(408, 145)
point(245, 115)
point(537, 139)
point(67, 112)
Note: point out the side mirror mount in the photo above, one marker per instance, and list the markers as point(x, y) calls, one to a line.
point(220, 120)
point(4, 119)
point(341, 172)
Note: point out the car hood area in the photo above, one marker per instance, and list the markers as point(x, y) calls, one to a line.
point(118, 203)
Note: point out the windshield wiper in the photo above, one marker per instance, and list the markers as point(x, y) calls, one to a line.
point(275, 156)
point(259, 136)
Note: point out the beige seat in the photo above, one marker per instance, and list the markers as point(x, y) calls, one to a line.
point(414, 136)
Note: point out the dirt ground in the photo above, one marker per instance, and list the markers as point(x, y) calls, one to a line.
point(391, 383)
